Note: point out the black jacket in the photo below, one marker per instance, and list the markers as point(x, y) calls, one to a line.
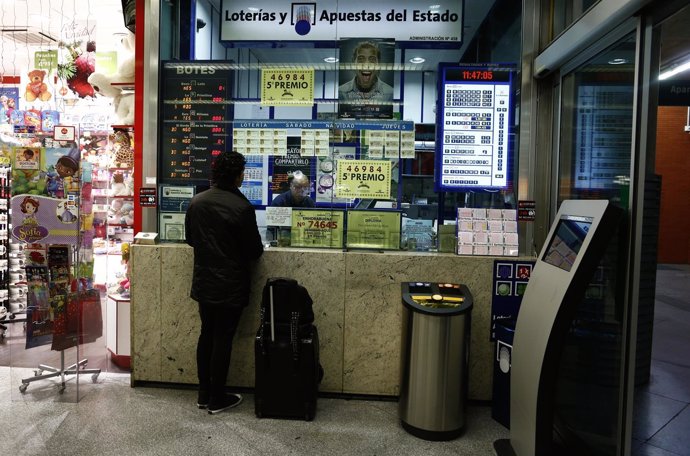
point(221, 227)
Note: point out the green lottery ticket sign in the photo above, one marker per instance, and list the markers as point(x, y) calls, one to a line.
point(317, 228)
point(373, 230)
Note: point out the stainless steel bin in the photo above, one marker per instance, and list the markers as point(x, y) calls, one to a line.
point(434, 359)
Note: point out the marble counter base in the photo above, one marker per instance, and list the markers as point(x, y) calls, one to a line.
point(357, 306)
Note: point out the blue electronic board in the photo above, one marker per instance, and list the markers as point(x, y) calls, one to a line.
point(473, 118)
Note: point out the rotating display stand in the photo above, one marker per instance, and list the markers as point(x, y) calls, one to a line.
point(59, 372)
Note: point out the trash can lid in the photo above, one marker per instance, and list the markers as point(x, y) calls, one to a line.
point(436, 299)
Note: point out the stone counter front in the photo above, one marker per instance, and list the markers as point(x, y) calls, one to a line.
point(357, 307)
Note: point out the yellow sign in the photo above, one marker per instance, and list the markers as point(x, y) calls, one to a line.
point(317, 228)
point(373, 229)
point(363, 179)
point(287, 87)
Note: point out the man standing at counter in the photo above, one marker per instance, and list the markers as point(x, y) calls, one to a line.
point(221, 226)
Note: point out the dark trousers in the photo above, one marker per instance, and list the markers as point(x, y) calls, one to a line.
point(218, 326)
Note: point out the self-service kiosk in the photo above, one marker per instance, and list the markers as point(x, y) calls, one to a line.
point(575, 245)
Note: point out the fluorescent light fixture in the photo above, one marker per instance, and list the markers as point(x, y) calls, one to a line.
point(417, 60)
point(618, 61)
point(330, 59)
point(679, 69)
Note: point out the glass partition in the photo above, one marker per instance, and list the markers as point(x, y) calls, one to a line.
point(594, 163)
point(333, 116)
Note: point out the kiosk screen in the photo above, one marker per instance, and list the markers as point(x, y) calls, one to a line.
point(568, 237)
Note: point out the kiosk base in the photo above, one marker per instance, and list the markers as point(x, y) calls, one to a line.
point(436, 436)
point(503, 447)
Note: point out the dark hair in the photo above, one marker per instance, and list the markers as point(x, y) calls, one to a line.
point(226, 168)
point(29, 200)
point(366, 44)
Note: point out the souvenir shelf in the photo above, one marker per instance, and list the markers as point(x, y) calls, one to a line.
point(113, 194)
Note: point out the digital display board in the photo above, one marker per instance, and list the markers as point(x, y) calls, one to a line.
point(603, 121)
point(567, 240)
point(195, 119)
point(473, 124)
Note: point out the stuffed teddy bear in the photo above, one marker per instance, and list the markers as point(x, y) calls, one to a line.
point(36, 88)
point(126, 214)
point(114, 212)
point(125, 67)
point(123, 103)
point(118, 186)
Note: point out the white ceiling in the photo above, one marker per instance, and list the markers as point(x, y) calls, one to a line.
point(90, 20)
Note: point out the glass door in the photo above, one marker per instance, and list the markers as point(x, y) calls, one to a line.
point(595, 150)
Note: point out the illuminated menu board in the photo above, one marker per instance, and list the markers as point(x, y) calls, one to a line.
point(473, 118)
point(194, 114)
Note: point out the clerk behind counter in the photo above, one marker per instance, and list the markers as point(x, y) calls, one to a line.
point(298, 194)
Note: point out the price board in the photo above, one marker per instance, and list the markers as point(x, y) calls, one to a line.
point(194, 119)
point(317, 228)
point(473, 117)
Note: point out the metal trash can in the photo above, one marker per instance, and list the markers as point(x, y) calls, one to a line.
point(434, 359)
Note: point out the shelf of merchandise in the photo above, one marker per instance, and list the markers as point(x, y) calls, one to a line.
point(108, 269)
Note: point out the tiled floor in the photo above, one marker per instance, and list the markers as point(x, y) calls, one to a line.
point(661, 423)
point(112, 418)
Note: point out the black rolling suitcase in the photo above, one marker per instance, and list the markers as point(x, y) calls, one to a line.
point(286, 353)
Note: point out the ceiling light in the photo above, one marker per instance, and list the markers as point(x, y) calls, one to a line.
point(330, 59)
point(680, 68)
point(417, 60)
point(618, 61)
point(433, 7)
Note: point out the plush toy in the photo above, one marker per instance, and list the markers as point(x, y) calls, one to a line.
point(127, 214)
point(36, 88)
point(121, 149)
point(114, 211)
point(129, 183)
point(125, 67)
point(123, 103)
point(118, 186)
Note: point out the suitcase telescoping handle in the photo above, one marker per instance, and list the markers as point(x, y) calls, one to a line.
point(273, 332)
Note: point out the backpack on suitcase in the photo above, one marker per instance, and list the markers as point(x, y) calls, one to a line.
point(286, 353)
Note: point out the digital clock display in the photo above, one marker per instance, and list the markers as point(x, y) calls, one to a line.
point(478, 75)
point(473, 127)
